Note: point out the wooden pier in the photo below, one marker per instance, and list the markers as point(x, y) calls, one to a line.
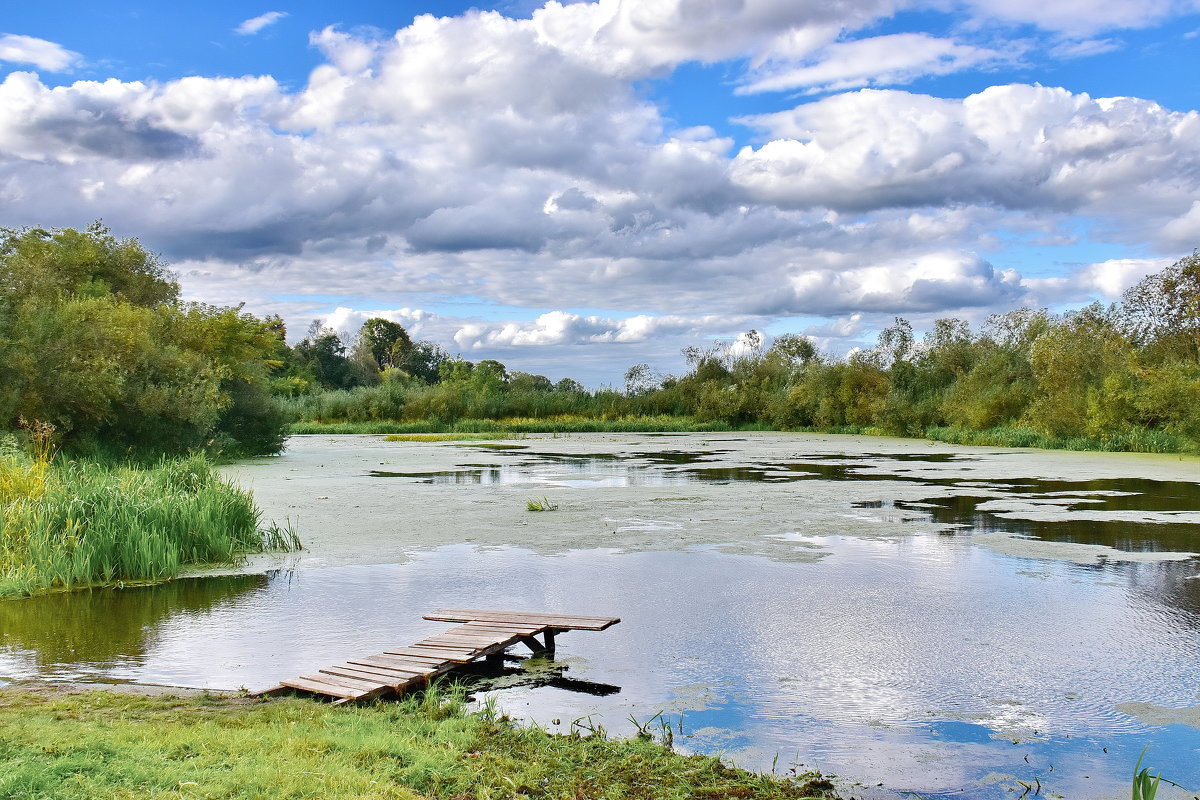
point(481, 634)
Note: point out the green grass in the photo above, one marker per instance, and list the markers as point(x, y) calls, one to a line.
point(516, 425)
point(1133, 441)
point(66, 523)
point(445, 437)
point(1145, 786)
point(100, 745)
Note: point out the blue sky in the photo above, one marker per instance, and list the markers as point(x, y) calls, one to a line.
point(574, 188)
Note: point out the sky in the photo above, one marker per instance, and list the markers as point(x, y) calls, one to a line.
point(574, 188)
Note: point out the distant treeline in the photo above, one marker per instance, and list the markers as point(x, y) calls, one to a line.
point(1122, 377)
point(95, 341)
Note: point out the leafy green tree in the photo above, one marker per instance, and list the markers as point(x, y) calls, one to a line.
point(386, 341)
point(569, 386)
point(322, 355)
point(93, 339)
point(63, 262)
point(1163, 310)
point(424, 361)
point(793, 349)
point(1082, 373)
point(1000, 384)
point(639, 379)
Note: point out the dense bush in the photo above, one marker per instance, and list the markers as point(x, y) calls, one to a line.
point(95, 341)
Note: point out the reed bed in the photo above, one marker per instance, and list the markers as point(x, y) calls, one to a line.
point(68, 523)
point(1137, 440)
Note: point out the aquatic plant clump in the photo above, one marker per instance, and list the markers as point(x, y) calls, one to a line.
point(67, 523)
point(540, 505)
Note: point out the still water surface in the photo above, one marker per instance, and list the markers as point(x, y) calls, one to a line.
point(925, 661)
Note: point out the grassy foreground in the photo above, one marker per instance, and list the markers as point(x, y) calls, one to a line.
point(66, 523)
point(102, 745)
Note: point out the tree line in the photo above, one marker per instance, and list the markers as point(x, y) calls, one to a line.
point(95, 340)
point(1123, 376)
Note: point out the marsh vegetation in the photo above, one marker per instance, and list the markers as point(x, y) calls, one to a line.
point(73, 522)
point(95, 340)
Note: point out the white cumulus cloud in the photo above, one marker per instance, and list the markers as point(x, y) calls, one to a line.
point(515, 163)
point(1016, 146)
point(19, 49)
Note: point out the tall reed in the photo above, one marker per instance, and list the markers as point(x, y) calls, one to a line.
point(67, 523)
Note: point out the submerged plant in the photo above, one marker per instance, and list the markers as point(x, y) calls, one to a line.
point(540, 505)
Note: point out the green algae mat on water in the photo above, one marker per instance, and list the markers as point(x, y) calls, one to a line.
point(101, 745)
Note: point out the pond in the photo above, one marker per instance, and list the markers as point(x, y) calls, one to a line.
point(951, 621)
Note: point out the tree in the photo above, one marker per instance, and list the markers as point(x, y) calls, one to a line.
point(322, 355)
point(424, 361)
point(895, 343)
point(1083, 377)
point(1164, 309)
point(569, 386)
point(793, 349)
point(525, 382)
point(94, 340)
point(387, 342)
point(639, 379)
point(64, 262)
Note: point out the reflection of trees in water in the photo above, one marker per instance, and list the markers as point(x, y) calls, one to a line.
point(962, 511)
point(1168, 585)
point(99, 625)
point(1171, 585)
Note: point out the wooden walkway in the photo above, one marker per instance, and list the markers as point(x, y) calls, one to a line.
point(482, 634)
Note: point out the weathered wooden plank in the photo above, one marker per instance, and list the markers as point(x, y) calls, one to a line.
point(394, 682)
point(485, 615)
point(397, 663)
point(461, 642)
point(471, 636)
point(456, 648)
point(321, 687)
point(469, 641)
point(499, 627)
point(430, 660)
point(376, 669)
point(458, 657)
point(565, 621)
point(417, 650)
point(349, 683)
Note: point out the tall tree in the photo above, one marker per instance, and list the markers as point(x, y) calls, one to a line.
point(1164, 309)
point(387, 341)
